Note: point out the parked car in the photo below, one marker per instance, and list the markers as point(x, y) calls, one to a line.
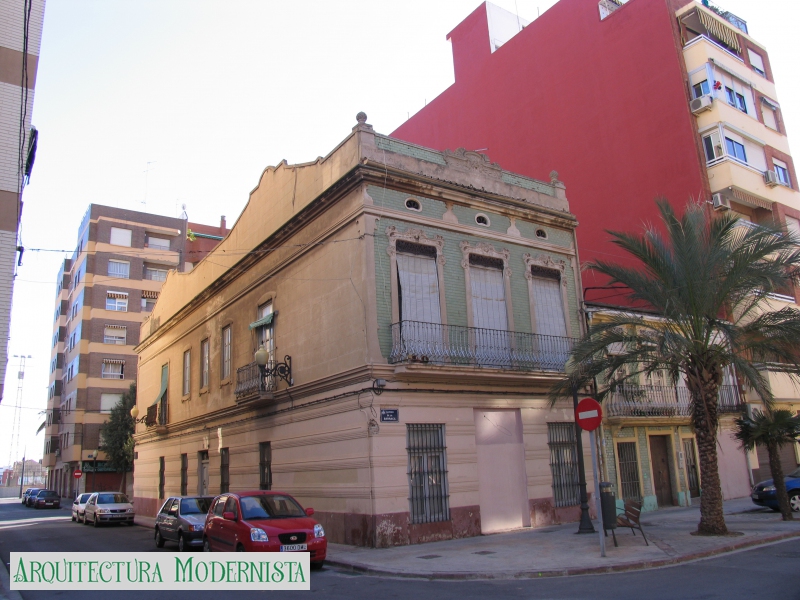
point(78, 507)
point(181, 519)
point(262, 521)
point(31, 493)
point(764, 492)
point(47, 499)
point(25, 495)
point(108, 507)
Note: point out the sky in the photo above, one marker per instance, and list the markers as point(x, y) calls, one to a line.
point(152, 104)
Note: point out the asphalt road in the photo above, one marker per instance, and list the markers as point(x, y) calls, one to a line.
point(771, 572)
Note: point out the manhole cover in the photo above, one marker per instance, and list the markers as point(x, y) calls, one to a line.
point(485, 552)
point(429, 556)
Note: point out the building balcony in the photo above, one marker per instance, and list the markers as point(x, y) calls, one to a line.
point(49, 459)
point(661, 401)
point(252, 385)
point(453, 345)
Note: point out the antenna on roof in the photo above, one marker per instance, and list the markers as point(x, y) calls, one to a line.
point(184, 214)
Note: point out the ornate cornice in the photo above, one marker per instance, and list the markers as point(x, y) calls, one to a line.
point(545, 261)
point(416, 236)
point(488, 250)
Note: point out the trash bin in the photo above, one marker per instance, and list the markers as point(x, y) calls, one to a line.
point(608, 504)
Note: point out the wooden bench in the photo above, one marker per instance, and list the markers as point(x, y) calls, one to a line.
point(630, 518)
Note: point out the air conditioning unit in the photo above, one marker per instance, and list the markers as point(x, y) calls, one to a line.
point(720, 202)
point(771, 178)
point(701, 104)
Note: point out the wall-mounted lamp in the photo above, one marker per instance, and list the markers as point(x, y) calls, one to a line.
point(282, 370)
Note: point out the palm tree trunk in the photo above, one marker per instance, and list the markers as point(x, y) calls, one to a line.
point(704, 417)
point(776, 470)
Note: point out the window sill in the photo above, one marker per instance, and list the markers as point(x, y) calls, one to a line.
point(204, 390)
point(186, 398)
point(225, 382)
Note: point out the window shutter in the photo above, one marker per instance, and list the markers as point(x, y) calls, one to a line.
point(488, 298)
point(419, 289)
point(548, 305)
point(120, 237)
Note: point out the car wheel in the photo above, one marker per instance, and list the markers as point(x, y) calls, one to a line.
point(794, 501)
point(83, 520)
point(96, 522)
point(316, 566)
point(206, 545)
point(181, 543)
point(240, 548)
point(74, 518)
point(159, 539)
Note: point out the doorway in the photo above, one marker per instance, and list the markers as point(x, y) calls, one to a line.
point(502, 482)
point(662, 480)
point(202, 473)
point(691, 468)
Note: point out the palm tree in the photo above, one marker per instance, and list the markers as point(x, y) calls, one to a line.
point(773, 430)
point(709, 279)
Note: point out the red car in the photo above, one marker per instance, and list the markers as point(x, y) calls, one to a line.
point(263, 521)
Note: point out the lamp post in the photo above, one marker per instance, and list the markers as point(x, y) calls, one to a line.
point(586, 522)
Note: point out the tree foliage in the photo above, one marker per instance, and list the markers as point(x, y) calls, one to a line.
point(772, 430)
point(117, 434)
point(708, 279)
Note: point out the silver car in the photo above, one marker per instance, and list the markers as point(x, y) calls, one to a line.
point(108, 507)
point(78, 506)
point(181, 519)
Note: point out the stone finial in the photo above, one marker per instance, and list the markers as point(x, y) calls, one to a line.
point(553, 176)
point(361, 118)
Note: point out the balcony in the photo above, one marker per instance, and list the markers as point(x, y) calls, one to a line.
point(453, 345)
point(658, 401)
point(251, 385)
point(157, 414)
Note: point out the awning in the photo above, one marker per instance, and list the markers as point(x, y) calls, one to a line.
point(750, 199)
point(122, 295)
point(770, 103)
point(113, 361)
point(150, 294)
point(108, 326)
point(718, 29)
point(164, 384)
point(263, 321)
point(731, 72)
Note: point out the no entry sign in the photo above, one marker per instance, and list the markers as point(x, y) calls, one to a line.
point(77, 473)
point(589, 414)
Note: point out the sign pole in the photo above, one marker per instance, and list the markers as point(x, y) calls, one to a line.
point(597, 503)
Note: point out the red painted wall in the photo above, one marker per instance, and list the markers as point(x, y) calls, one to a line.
point(605, 103)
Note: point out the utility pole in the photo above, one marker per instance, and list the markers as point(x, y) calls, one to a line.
point(13, 451)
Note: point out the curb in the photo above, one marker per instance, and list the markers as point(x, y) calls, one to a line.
point(636, 566)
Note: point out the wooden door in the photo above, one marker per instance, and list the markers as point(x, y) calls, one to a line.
point(659, 457)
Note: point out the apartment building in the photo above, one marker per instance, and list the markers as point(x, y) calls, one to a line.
point(633, 100)
point(376, 336)
point(20, 39)
point(103, 293)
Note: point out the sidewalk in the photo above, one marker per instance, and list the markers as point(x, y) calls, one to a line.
point(559, 551)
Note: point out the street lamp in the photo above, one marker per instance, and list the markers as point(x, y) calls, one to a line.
point(283, 370)
point(586, 522)
point(135, 413)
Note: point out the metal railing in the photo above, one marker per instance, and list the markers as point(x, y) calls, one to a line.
point(664, 401)
point(418, 342)
point(249, 380)
point(157, 414)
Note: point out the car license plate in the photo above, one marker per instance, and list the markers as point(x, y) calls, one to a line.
point(755, 496)
point(294, 548)
point(48, 503)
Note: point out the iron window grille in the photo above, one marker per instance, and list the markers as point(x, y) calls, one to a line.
point(265, 466)
point(427, 473)
point(224, 470)
point(628, 471)
point(564, 463)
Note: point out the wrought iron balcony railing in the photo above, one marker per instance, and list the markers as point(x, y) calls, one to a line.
point(664, 401)
point(250, 382)
point(414, 341)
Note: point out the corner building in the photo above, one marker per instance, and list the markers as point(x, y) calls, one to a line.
point(420, 304)
point(632, 100)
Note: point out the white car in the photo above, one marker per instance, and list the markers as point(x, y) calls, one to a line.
point(78, 506)
point(108, 507)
